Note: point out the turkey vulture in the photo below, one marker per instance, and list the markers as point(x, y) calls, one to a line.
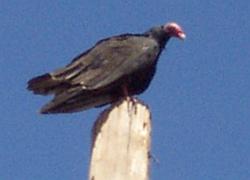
point(114, 67)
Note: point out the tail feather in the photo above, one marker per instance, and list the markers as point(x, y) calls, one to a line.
point(77, 103)
point(68, 98)
point(45, 84)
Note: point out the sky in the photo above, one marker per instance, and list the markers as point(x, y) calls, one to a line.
point(199, 97)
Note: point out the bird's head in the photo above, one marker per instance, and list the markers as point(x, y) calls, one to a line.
point(163, 33)
point(174, 30)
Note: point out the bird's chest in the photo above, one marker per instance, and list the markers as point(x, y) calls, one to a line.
point(140, 80)
point(147, 57)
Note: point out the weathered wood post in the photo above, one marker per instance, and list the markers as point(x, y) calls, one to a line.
point(121, 143)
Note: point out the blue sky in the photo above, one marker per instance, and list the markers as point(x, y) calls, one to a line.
point(199, 97)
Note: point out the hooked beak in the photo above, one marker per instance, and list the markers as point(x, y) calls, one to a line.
point(181, 35)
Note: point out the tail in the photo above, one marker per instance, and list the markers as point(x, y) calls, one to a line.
point(45, 84)
point(75, 102)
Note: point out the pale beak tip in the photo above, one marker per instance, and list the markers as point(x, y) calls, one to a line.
point(182, 36)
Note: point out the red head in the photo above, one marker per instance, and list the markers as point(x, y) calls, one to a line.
point(173, 29)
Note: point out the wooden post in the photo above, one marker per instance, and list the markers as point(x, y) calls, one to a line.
point(121, 143)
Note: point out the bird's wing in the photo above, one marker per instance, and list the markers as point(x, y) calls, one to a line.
point(108, 61)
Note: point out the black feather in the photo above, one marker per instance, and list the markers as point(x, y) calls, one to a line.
point(97, 76)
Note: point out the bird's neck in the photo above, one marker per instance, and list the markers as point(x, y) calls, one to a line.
point(161, 37)
point(162, 41)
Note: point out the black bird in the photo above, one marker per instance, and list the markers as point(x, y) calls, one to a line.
point(114, 67)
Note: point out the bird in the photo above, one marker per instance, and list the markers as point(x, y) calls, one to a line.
point(115, 67)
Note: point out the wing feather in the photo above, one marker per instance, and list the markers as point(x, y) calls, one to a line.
point(112, 59)
point(108, 61)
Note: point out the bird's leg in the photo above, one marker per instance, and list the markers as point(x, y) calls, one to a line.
point(127, 97)
point(125, 92)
